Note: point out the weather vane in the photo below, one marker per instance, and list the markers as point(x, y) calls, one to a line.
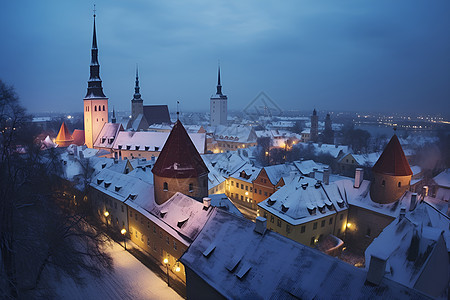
point(94, 10)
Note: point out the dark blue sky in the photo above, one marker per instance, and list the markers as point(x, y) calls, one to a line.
point(332, 55)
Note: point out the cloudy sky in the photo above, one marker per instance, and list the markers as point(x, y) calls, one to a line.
point(332, 55)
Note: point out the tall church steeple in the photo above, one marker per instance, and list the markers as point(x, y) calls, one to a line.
point(219, 86)
point(95, 89)
point(95, 102)
point(137, 104)
point(137, 94)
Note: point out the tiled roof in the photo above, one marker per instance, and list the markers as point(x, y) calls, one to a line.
point(179, 158)
point(78, 137)
point(393, 161)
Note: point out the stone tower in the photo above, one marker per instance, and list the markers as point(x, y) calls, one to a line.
point(328, 133)
point(137, 104)
point(314, 127)
point(64, 138)
point(218, 106)
point(179, 168)
point(95, 102)
point(391, 173)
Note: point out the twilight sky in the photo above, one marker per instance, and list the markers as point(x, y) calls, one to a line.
point(333, 55)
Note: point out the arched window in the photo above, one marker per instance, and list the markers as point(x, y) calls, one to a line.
point(399, 184)
point(383, 183)
point(95, 108)
point(191, 187)
point(165, 186)
point(103, 108)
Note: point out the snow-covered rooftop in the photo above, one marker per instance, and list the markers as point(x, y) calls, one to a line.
point(223, 202)
point(247, 173)
point(240, 263)
point(307, 166)
point(443, 179)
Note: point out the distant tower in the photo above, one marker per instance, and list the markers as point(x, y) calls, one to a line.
point(218, 106)
point(179, 168)
point(328, 133)
point(137, 104)
point(391, 174)
point(314, 126)
point(95, 102)
point(113, 119)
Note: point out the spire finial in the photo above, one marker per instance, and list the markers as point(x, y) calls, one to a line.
point(94, 10)
point(178, 111)
point(219, 86)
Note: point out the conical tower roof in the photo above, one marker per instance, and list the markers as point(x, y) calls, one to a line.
point(179, 158)
point(64, 136)
point(393, 161)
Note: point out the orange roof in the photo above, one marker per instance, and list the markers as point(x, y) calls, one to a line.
point(64, 134)
point(78, 137)
point(393, 161)
point(179, 158)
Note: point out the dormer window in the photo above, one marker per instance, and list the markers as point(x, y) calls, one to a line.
point(137, 147)
point(120, 147)
point(284, 208)
point(107, 184)
point(271, 202)
point(147, 148)
point(156, 148)
point(128, 147)
point(103, 140)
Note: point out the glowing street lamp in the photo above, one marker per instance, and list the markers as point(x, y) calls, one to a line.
point(106, 214)
point(166, 262)
point(123, 232)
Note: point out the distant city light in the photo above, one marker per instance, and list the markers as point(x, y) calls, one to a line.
point(69, 117)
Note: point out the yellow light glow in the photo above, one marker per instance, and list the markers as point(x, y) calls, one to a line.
point(267, 153)
point(166, 261)
point(106, 213)
point(123, 231)
point(177, 269)
point(349, 225)
point(246, 193)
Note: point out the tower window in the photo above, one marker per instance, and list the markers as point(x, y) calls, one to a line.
point(399, 184)
point(165, 186)
point(103, 108)
point(95, 108)
point(191, 187)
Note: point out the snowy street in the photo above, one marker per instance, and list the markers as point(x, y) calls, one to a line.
point(129, 280)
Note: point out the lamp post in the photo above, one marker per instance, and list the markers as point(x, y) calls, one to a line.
point(123, 232)
point(106, 214)
point(166, 262)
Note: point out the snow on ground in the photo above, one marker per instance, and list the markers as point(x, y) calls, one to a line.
point(129, 280)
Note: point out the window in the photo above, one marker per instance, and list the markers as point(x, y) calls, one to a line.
point(175, 247)
point(131, 213)
point(383, 183)
point(256, 191)
point(135, 233)
point(232, 195)
point(265, 215)
point(246, 187)
point(331, 221)
point(265, 193)
point(95, 108)
point(148, 242)
point(302, 229)
point(167, 240)
point(148, 224)
point(265, 180)
point(315, 225)
point(122, 208)
point(165, 186)
point(279, 223)
point(260, 192)
point(399, 184)
point(322, 224)
point(191, 187)
point(288, 228)
point(154, 246)
point(242, 198)
point(135, 216)
point(103, 108)
point(232, 183)
point(368, 231)
point(242, 186)
point(271, 219)
point(154, 229)
point(160, 234)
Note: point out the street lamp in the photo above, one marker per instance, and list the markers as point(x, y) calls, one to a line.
point(106, 214)
point(166, 262)
point(123, 232)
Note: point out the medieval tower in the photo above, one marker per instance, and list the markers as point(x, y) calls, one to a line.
point(314, 126)
point(137, 104)
point(391, 174)
point(218, 106)
point(95, 102)
point(179, 168)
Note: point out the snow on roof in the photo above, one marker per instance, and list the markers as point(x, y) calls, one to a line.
point(185, 214)
point(247, 173)
point(396, 241)
point(235, 133)
point(144, 173)
point(306, 131)
point(276, 172)
point(243, 264)
point(443, 178)
point(307, 166)
point(361, 197)
point(107, 135)
point(223, 202)
point(153, 140)
point(333, 150)
point(304, 199)
point(368, 159)
point(226, 163)
point(416, 170)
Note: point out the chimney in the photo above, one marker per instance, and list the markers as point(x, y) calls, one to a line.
point(326, 176)
point(81, 154)
point(376, 270)
point(359, 174)
point(402, 212)
point(206, 202)
point(260, 225)
point(425, 191)
point(413, 203)
point(312, 174)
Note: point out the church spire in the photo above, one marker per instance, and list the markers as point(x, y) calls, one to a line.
point(137, 94)
point(219, 86)
point(113, 119)
point(95, 89)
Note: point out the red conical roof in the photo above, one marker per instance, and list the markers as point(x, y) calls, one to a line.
point(64, 134)
point(179, 158)
point(393, 161)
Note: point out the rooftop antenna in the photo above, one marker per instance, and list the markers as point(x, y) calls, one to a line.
point(178, 111)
